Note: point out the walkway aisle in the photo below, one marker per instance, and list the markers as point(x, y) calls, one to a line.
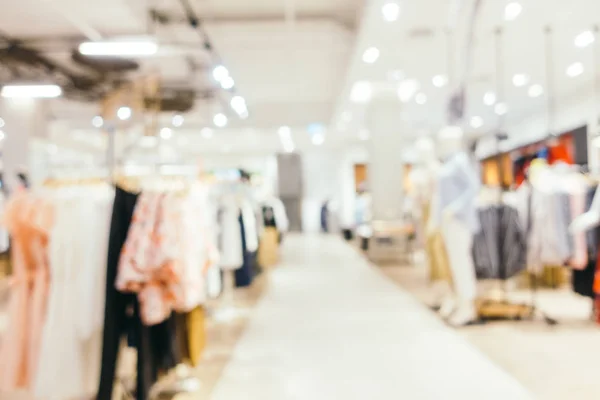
point(330, 327)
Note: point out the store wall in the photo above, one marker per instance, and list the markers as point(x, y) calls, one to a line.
point(572, 112)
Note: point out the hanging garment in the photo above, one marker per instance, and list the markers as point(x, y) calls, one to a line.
point(579, 259)
point(72, 336)
point(499, 249)
point(230, 240)
point(245, 274)
point(268, 248)
point(582, 281)
point(29, 221)
point(196, 334)
point(122, 314)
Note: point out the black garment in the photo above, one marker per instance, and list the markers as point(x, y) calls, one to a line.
point(121, 316)
point(245, 274)
point(499, 248)
point(269, 217)
point(583, 281)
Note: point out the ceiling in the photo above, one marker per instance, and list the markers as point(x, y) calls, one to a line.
point(287, 57)
point(418, 47)
point(296, 62)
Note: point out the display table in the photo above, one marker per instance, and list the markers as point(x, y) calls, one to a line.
point(390, 242)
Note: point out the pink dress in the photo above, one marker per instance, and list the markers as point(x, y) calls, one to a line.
point(28, 221)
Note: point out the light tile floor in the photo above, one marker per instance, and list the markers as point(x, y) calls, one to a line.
point(331, 326)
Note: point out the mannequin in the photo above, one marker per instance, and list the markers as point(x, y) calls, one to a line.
point(423, 180)
point(456, 216)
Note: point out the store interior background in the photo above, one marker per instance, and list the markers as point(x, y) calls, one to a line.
point(336, 94)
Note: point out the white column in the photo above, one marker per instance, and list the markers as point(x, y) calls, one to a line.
point(25, 120)
point(321, 183)
point(385, 168)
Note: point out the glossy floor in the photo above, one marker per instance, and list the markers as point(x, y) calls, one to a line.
point(331, 326)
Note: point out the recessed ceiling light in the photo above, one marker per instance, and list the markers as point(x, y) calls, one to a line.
point(535, 90)
point(489, 98)
point(501, 108)
point(97, 122)
point(361, 92)
point(206, 133)
point(124, 113)
point(476, 122)
point(284, 131)
point(177, 120)
point(318, 139)
point(239, 105)
point(520, 80)
point(364, 134)
point(512, 11)
point(439, 80)
point(166, 133)
point(227, 83)
point(407, 89)
point(575, 69)
point(584, 39)
point(396, 75)
point(390, 11)
point(220, 73)
point(371, 55)
point(421, 98)
point(220, 120)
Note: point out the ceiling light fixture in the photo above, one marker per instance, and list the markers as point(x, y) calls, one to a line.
point(364, 134)
point(489, 98)
point(177, 120)
point(390, 11)
point(361, 93)
point(421, 98)
point(476, 122)
point(501, 108)
point(220, 120)
point(2, 135)
point(239, 106)
point(124, 113)
point(131, 49)
point(439, 81)
point(535, 90)
point(31, 91)
point(395, 75)
point(584, 39)
point(2, 123)
point(575, 69)
point(97, 121)
point(407, 89)
point(227, 83)
point(206, 133)
point(220, 73)
point(166, 133)
point(318, 139)
point(371, 55)
point(520, 80)
point(512, 11)
point(284, 131)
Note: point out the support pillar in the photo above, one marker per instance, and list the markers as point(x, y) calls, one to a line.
point(388, 242)
point(25, 120)
point(385, 168)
